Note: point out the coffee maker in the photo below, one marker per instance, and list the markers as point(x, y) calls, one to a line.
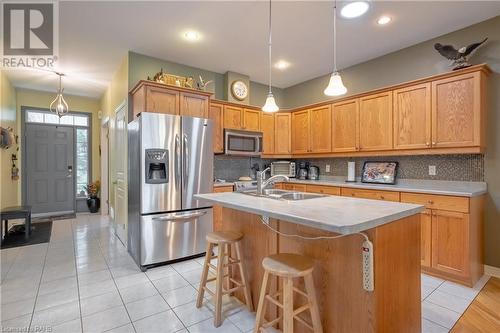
point(303, 171)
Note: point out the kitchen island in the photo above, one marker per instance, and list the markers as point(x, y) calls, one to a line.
point(345, 306)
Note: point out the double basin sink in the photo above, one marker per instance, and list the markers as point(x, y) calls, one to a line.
point(283, 194)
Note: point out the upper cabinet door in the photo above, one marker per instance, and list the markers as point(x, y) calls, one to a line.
point(162, 100)
point(267, 127)
point(194, 105)
point(215, 113)
point(345, 126)
point(375, 122)
point(321, 129)
point(282, 133)
point(412, 117)
point(300, 132)
point(456, 111)
point(251, 120)
point(233, 117)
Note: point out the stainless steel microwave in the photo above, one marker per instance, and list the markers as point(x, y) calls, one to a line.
point(242, 143)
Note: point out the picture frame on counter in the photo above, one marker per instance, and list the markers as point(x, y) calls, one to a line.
point(379, 172)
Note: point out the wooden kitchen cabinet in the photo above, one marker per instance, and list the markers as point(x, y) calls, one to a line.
point(345, 126)
point(267, 128)
point(375, 122)
point(433, 201)
point(216, 114)
point(456, 111)
point(294, 187)
point(301, 132)
point(450, 245)
point(251, 120)
point(233, 117)
point(320, 129)
point(217, 210)
point(330, 190)
point(370, 194)
point(426, 238)
point(193, 105)
point(412, 117)
point(282, 133)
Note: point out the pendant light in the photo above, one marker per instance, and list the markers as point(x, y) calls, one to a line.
point(59, 105)
point(270, 105)
point(335, 86)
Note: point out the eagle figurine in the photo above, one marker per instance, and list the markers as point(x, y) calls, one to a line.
point(458, 57)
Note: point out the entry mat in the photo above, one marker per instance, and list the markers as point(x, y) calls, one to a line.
point(40, 233)
point(53, 218)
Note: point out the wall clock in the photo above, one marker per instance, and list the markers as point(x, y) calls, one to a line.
point(239, 90)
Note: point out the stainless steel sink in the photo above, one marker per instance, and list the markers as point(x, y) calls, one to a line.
point(300, 196)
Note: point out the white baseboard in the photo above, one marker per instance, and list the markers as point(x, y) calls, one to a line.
point(492, 271)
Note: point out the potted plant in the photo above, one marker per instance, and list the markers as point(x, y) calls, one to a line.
point(93, 202)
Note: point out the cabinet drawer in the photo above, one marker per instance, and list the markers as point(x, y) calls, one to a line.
point(443, 202)
point(218, 189)
point(370, 194)
point(331, 190)
point(295, 187)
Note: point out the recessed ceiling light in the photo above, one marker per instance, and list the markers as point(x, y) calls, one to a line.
point(354, 9)
point(282, 64)
point(384, 19)
point(192, 35)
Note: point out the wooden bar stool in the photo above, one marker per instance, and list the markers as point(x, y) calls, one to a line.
point(288, 266)
point(223, 240)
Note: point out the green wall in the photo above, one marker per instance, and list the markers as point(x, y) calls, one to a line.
point(419, 61)
point(141, 66)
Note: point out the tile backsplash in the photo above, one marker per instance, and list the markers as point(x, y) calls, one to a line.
point(469, 167)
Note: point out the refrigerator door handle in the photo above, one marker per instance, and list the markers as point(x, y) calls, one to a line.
point(177, 160)
point(186, 159)
point(180, 217)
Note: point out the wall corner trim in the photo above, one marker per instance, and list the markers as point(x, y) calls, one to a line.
point(492, 271)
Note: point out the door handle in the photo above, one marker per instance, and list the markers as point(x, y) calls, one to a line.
point(180, 217)
point(70, 172)
point(186, 159)
point(177, 160)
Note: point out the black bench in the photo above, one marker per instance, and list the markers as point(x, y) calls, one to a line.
point(16, 212)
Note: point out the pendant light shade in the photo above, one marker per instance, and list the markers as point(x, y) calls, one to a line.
point(270, 105)
point(59, 105)
point(335, 85)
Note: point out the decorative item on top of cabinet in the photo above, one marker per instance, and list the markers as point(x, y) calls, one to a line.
point(457, 108)
point(216, 114)
point(412, 117)
point(458, 57)
point(345, 126)
point(321, 129)
point(301, 132)
point(282, 133)
point(251, 120)
point(375, 122)
point(233, 117)
point(267, 122)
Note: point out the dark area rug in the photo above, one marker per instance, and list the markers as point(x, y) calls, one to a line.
point(40, 233)
point(53, 218)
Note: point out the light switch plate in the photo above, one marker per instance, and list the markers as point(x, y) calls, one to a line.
point(327, 168)
point(432, 170)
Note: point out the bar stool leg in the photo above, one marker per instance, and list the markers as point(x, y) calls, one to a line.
point(227, 270)
point(218, 288)
point(287, 305)
point(315, 317)
point(204, 275)
point(259, 317)
point(246, 289)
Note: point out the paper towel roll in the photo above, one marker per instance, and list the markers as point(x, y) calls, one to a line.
point(351, 171)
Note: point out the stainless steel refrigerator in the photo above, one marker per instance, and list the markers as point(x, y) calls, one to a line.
point(170, 159)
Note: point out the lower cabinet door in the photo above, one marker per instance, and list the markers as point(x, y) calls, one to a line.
point(450, 242)
point(426, 238)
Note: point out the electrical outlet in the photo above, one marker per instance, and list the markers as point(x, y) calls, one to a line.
point(327, 168)
point(432, 170)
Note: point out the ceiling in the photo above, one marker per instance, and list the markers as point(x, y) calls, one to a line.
point(94, 37)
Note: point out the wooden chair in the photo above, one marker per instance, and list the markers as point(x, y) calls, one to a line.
point(288, 266)
point(223, 240)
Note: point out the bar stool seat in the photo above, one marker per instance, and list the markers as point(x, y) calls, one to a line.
point(224, 240)
point(288, 266)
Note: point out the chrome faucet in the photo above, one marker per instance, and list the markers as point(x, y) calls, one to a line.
point(262, 183)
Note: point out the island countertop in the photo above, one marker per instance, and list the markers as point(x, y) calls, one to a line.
point(341, 215)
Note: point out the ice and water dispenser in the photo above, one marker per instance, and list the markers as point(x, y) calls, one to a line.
point(156, 166)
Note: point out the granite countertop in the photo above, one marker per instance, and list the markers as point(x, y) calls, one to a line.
point(343, 215)
point(463, 189)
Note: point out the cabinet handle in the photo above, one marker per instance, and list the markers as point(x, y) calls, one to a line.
point(382, 197)
point(433, 143)
point(430, 202)
point(427, 144)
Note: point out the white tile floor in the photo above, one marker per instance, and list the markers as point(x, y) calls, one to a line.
point(85, 281)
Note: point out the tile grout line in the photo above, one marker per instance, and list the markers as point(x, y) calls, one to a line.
point(38, 289)
point(77, 280)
